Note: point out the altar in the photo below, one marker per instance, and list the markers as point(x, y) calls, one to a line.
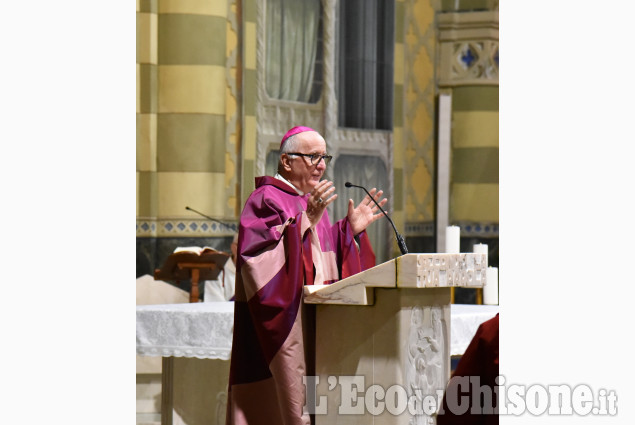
point(194, 339)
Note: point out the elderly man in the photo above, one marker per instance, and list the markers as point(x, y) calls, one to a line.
point(285, 241)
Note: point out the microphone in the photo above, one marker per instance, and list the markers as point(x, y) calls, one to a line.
point(210, 218)
point(400, 240)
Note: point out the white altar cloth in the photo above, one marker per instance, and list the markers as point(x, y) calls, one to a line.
point(201, 330)
point(204, 330)
point(466, 319)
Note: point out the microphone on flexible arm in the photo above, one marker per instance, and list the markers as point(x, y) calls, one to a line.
point(210, 218)
point(400, 240)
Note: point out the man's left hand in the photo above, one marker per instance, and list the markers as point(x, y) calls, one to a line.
point(366, 212)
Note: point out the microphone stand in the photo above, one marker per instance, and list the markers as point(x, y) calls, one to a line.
point(400, 240)
point(210, 218)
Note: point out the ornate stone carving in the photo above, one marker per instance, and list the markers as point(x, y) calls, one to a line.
point(425, 357)
point(475, 60)
point(468, 48)
point(451, 270)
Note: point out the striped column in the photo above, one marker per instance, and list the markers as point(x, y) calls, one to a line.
point(250, 96)
point(468, 66)
point(147, 54)
point(191, 107)
point(474, 194)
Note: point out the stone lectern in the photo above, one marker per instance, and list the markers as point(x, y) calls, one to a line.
point(383, 339)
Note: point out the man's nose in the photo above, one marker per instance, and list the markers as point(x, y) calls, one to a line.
point(321, 165)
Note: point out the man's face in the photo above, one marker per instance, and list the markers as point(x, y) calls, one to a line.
point(303, 174)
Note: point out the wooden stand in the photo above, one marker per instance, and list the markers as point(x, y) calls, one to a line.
point(187, 265)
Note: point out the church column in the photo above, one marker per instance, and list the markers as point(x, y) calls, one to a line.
point(187, 91)
point(146, 139)
point(468, 68)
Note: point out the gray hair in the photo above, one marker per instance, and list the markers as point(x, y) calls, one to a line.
point(289, 145)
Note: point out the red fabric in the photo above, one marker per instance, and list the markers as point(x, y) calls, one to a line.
point(307, 257)
point(479, 360)
point(352, 263)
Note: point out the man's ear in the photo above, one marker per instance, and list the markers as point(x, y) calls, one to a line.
point(284, 159)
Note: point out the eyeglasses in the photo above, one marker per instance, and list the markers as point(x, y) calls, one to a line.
point(315, 157)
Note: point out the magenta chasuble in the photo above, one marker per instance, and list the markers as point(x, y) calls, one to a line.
point(278, 253)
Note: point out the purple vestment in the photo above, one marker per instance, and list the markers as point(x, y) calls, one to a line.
point(278, 253)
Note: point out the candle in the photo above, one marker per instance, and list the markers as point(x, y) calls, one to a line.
point(480, 248)
point(490, 290)
point(452, 239)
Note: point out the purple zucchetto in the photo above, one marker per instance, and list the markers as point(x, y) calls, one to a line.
point(294, 131)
